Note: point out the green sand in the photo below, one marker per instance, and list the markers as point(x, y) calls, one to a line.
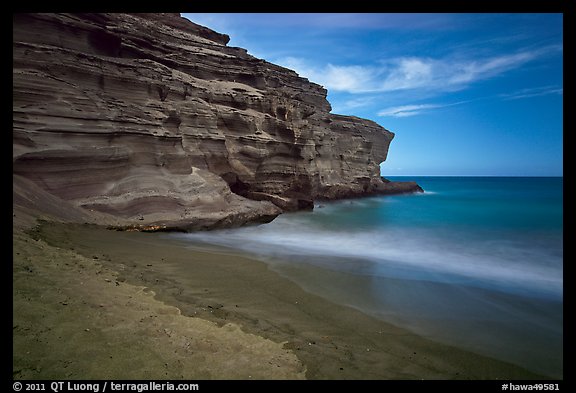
point(95, 303)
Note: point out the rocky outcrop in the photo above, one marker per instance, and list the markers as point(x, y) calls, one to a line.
point(155, 122)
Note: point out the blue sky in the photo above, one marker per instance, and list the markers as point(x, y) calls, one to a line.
point(465, 94)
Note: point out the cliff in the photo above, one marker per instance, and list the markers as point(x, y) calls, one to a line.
point(150, 121)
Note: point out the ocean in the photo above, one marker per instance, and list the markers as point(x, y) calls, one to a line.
point(473, 262)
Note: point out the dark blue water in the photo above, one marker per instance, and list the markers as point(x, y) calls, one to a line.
point(475, 262)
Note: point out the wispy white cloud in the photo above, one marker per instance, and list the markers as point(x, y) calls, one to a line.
point(406, 110)
point(416, 109)
point(358, 102)
point(406, 73)
point(470, 71)
point(533, 92)
point(353, 79)
point(410, 73)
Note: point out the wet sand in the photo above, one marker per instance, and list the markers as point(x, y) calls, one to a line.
point(95, 303)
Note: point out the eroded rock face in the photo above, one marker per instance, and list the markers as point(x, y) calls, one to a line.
point(153, 120)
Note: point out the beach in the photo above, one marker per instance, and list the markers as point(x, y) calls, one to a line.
point(475, 263)
point(93, 303)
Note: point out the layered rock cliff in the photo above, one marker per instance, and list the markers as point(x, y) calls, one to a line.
point(154, 122)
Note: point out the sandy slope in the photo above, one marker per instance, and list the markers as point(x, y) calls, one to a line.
point(95, 303)
point(72, 319)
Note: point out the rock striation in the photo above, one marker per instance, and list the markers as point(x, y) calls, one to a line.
point(155, 123)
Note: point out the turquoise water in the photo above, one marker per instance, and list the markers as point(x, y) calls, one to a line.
point(475, 262)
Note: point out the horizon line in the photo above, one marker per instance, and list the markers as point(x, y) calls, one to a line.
point(471, 176)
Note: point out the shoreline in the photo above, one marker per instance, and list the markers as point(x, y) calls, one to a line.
point(304, 334)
